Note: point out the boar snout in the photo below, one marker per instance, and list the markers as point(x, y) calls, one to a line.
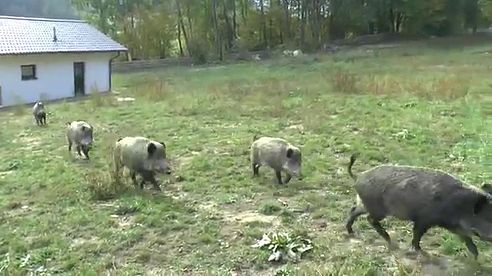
point(168, 171)
point(163, 167)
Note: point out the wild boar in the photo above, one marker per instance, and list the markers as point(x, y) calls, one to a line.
point(80, 133)
point(39, 113)
point(427, 197)
point(143, 156)
point(278, 154)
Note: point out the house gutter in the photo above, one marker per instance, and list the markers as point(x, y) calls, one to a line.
point(111, 69)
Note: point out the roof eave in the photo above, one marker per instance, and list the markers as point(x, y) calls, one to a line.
point(63, 52)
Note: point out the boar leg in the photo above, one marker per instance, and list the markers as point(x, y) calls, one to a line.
point(375, 223)
point(418, 231)
point(154, 182)
point(279, 177)
point(470, 245)
point(78, 150)
point(256, 169)
point(69, 146)
point(44, 119)
point(289, 177)
point(134, 178)
point(355, 212)
point(85, 150)
point(150, 176)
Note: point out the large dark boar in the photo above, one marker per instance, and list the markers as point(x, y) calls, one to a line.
point(143, 156)
point(39, 113)
point(80, 133)
point(424, 196)
point(278, 154)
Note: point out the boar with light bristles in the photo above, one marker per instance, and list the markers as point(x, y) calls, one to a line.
point(142, 156)
point(39, 113)
point(80, 133)
point(427, 197)
point(277, 154)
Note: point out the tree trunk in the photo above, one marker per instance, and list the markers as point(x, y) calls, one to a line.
point(230, 35)
point(180, 44)
point(303, 23)
point(287, 19)
point(180, 18)
point(263, 24)
point(234, 19)
point(218, 43)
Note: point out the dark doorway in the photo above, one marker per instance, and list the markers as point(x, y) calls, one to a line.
point(79, 78)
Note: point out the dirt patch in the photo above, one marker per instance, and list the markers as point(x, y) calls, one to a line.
point(426, 264)
point(18, 211)
point(82, 241)
point(176, 195)
point(299, 128)
point(237, 216)
point(207, 68)
point(182, 162)
point(27, 142)
point(3, 174)
point(125, 222)
point(251, 216)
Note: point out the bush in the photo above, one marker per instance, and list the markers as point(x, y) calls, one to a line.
point(199, 51)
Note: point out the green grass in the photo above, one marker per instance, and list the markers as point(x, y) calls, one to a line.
point(412, 105)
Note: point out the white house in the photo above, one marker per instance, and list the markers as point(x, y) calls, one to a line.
point(48, 59)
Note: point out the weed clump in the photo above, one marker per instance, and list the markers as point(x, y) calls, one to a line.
point(344, 82)
point(270, 208)
point(283, 246)
point(102, 186)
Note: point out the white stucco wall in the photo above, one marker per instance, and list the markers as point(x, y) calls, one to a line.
point(55, 76)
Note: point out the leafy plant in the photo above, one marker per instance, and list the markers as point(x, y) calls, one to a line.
point(283, 246)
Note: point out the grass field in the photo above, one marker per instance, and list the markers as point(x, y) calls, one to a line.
point(414, 105)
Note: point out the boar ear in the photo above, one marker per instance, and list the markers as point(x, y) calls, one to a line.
point(487, 188)
point(290, 152)
point(83, 128)
point(479, 204)
point(151, 148)
point(164, 145)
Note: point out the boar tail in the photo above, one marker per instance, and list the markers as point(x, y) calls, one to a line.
point(353, 157)
point(255, 137)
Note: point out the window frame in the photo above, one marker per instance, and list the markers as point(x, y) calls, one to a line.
point(29, 77)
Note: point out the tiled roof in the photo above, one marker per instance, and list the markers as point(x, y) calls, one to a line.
point(21, 35)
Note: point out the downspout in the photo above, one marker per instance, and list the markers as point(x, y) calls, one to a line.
point(111, 69)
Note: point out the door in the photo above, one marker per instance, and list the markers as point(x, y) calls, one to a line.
point(79, 78)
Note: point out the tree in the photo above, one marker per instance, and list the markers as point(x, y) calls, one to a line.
point(197, 28)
